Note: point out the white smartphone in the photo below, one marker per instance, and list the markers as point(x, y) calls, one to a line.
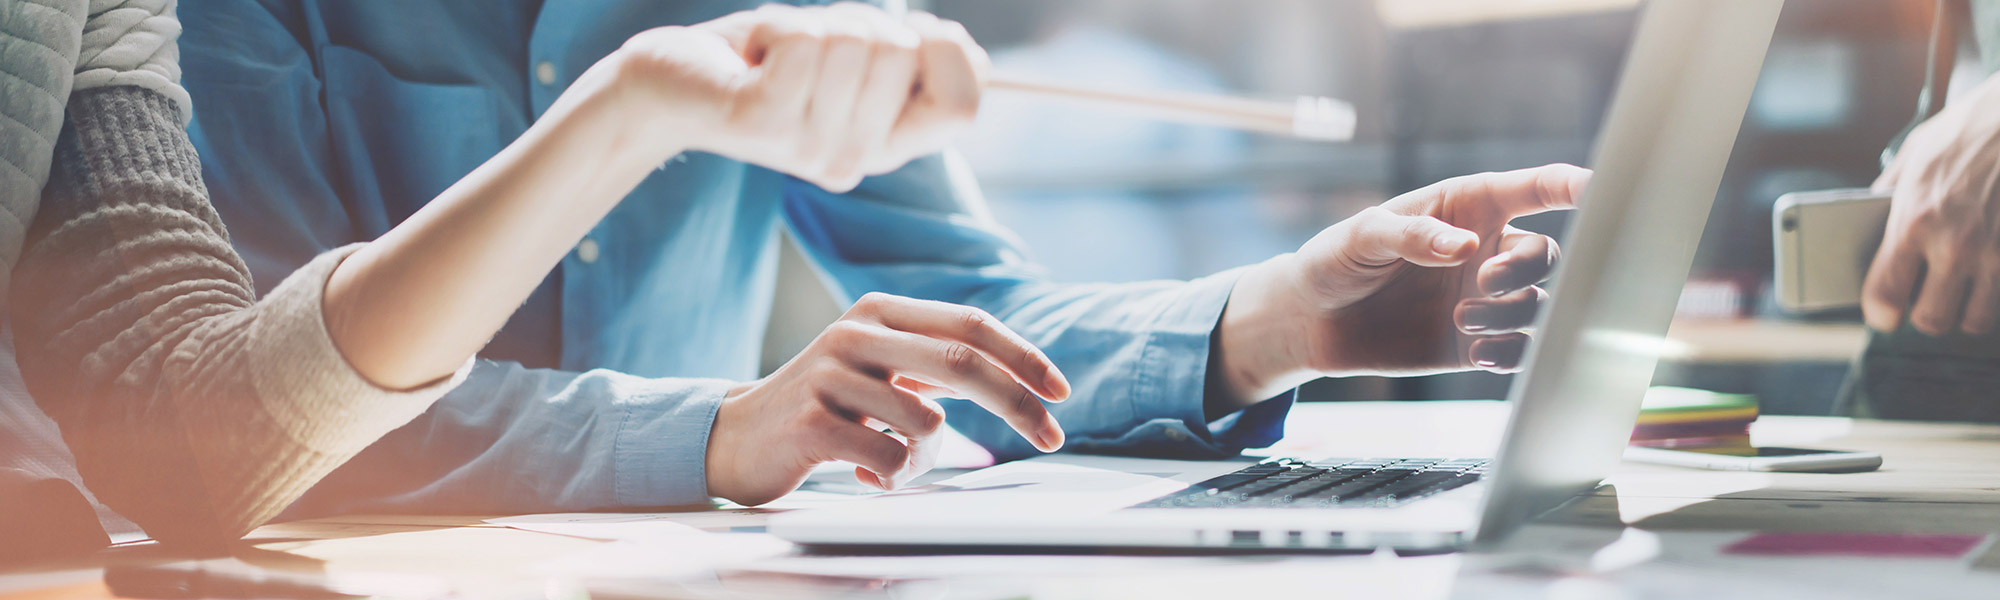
point(1823, 243)
point(1758, 458)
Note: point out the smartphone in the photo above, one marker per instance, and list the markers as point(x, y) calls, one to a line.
point(1823, 243)
point(1758, 458)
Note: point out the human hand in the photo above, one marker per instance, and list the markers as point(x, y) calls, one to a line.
point(1431, 281)
point(1939, 264)
point(879, 366)
point(826, 94)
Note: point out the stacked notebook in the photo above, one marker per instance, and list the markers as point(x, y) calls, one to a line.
point(1674, 416)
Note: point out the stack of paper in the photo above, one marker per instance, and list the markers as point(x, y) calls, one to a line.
point(1674, 416)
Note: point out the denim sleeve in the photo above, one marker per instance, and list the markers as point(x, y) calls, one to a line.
point(1136, 353)
point(518, 440)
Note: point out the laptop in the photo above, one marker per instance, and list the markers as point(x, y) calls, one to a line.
point(1659, 160)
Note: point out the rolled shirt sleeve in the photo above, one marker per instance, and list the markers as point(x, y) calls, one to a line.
point(515, 440)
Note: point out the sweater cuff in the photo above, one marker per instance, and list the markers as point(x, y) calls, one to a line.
point(305, 383)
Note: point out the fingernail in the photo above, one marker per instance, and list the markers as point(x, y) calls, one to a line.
point(1496, 272)
point(1055, 384)
point(1051, 438)
point(1476, 318)
point(1485, 364)
point(1447, 244)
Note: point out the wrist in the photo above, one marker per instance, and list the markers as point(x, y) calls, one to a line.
point(1260, 348)
point(640, 127)
point(720, 461)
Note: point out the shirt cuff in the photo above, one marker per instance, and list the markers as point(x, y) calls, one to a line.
point(1260, 425)
point(308, 386)
point(660, 455)
point(1174, 369)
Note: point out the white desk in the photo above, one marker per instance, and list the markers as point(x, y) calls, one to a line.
point(1937, 478)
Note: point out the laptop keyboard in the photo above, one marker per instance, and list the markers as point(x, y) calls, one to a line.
point(1331, 483)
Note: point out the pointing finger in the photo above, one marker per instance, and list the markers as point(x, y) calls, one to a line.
point(1379, 237)
point(1512, 194)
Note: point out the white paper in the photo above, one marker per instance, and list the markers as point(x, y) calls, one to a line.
point(638, 527)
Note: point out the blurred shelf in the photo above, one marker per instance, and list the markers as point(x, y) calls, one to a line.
point(1755, 341)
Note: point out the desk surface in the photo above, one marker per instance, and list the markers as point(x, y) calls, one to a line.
point(1654, 531)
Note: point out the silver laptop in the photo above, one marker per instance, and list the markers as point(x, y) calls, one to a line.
point(1659, 160)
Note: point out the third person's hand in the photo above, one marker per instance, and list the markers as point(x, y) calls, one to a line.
point(1939, 265)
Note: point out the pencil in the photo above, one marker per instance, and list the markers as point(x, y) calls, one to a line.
point(1308, 117)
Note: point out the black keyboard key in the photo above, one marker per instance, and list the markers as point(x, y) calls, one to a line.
point(1411, 489)
point(1455, 482)
point(1406, 485)
point(1327, 483)
point(1264, 488)
point(1352, 487)
point(1227, 482)
point(1321, 483)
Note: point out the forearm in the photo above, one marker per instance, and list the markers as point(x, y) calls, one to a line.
point(191, 407)
point(426, 296)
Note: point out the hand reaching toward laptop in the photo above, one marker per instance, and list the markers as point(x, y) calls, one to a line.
point(878, 367)
point(1429, 282)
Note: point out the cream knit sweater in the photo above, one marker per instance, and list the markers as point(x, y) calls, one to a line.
point(191, 406)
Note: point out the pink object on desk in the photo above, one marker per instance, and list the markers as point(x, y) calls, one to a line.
point(1896, 545)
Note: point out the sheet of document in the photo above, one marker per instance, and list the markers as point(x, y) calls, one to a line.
point(639, 527)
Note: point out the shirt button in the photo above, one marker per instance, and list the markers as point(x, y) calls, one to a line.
point(545, 72)
point(586, 251)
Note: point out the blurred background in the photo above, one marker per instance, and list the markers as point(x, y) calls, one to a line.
point(1443, 88)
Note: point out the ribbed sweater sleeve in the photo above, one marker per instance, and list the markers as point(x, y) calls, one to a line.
point(192, 407)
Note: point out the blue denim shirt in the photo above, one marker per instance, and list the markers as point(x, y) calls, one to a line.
point(325, 123)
